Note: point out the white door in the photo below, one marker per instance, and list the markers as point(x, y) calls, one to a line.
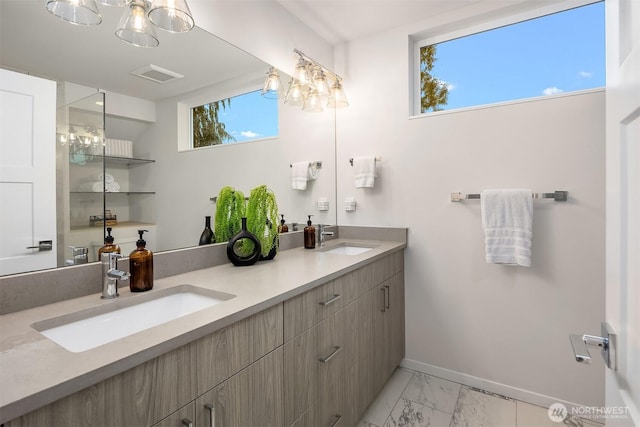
point(623, 208)
point(27, 172)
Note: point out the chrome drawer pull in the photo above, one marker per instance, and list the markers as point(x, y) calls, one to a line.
point(335, 351)
point(331, 300)
point(187, 422)
point(388, 296)
point(212, 414)
point(336, 421)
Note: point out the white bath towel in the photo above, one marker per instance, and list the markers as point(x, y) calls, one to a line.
point(507, 220)
point(94, 186)
point(365, 171)
point(107, 177)
point(113, 187)
point(301, 172)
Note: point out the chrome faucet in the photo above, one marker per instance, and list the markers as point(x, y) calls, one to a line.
point(322, 234)
point(111, 275)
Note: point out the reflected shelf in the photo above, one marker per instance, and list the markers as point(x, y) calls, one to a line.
point(127, 161)
point(128, 193)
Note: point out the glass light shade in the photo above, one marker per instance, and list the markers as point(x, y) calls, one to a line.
point(301, 73)
point(272, 88)
point(79, 12)
point(337, 98)
point(296, 93)
point(171, 15)
point(313, 103)
point(135, 28)
point(320, 82)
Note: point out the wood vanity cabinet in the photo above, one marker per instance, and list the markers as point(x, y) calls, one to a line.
point(337, 366)
point(318, 359)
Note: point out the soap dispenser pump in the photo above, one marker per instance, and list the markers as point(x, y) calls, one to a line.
point(109, 246)
point(309, 235)
point(283, 228)
point(141, 266)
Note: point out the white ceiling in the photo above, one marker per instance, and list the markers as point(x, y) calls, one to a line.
point(32, 40)
point(339, 21)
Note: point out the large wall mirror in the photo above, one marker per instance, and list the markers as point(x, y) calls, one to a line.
point(165, 188)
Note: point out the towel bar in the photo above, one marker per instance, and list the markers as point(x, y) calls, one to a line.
point(317, 164)
point(558, 196)
point(378, 159)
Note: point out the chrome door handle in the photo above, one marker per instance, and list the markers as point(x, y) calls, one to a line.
point(607, 343)
point(212, 414)
point(43, 245)
point(388, 296)
point(187, 422)
point(335, 351)
point(384, 300)
point(331, 300)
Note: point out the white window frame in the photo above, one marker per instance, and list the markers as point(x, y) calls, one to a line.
point(474, 29)
point(225, 90)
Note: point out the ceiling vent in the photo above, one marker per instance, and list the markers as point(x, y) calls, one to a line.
point(156, 74)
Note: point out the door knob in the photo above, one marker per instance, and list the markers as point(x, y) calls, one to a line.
point(606, 342)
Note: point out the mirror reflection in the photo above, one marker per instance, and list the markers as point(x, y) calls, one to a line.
point(158, 181)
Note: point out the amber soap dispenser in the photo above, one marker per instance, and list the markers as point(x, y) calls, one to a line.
point(109, 246)
point(141, 266)
point(309, 235)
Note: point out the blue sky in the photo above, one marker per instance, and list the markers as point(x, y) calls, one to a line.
point(251, 116)
point(558, 53)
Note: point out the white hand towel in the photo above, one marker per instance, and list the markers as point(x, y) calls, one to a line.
point(106, 177)
point(365, 171)
point(113, 187)
point(300, 172)
point(507, 220)
point(94, 186)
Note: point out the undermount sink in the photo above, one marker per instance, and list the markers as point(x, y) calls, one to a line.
point(347, 249)
point(87, 329)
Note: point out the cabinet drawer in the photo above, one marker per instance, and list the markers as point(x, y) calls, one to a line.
point(305, 310)
point(227, 351)
point(252, 397)
point(140, 396)
point(314, 362)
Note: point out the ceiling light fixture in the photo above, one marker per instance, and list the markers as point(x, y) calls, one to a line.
point(136, 23)
point(310, 87)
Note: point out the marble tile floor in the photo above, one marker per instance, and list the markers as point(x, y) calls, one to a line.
point(415, 399)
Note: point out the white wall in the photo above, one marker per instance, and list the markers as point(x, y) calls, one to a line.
point(185, 181)
point(501, 327)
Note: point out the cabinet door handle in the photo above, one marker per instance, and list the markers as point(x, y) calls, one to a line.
point(335, 351)
point(388, 296)
point(331, 300)
point(212, 414)
point(336, 421)
point(384, 300)
point(43, 245)
point(187, 422)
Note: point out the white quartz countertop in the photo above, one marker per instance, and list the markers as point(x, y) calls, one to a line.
point(35, 371)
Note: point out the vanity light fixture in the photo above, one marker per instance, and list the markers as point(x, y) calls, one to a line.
point(78, 12)
point(310, 87)
point(137, 23)
point(272, 88)
point(135, 28)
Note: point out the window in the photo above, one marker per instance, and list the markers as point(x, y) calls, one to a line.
point(238, 119)
point(552, 54)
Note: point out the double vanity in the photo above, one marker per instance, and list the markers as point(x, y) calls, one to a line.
point(307, 339)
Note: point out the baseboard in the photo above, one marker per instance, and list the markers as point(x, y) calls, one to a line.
point(490, 386)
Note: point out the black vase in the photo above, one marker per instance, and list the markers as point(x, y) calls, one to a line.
point(273, 252)
point(237, 246)
point(207, 236)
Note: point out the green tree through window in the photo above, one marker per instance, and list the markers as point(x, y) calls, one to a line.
point(433, 92)
point(207, 127)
